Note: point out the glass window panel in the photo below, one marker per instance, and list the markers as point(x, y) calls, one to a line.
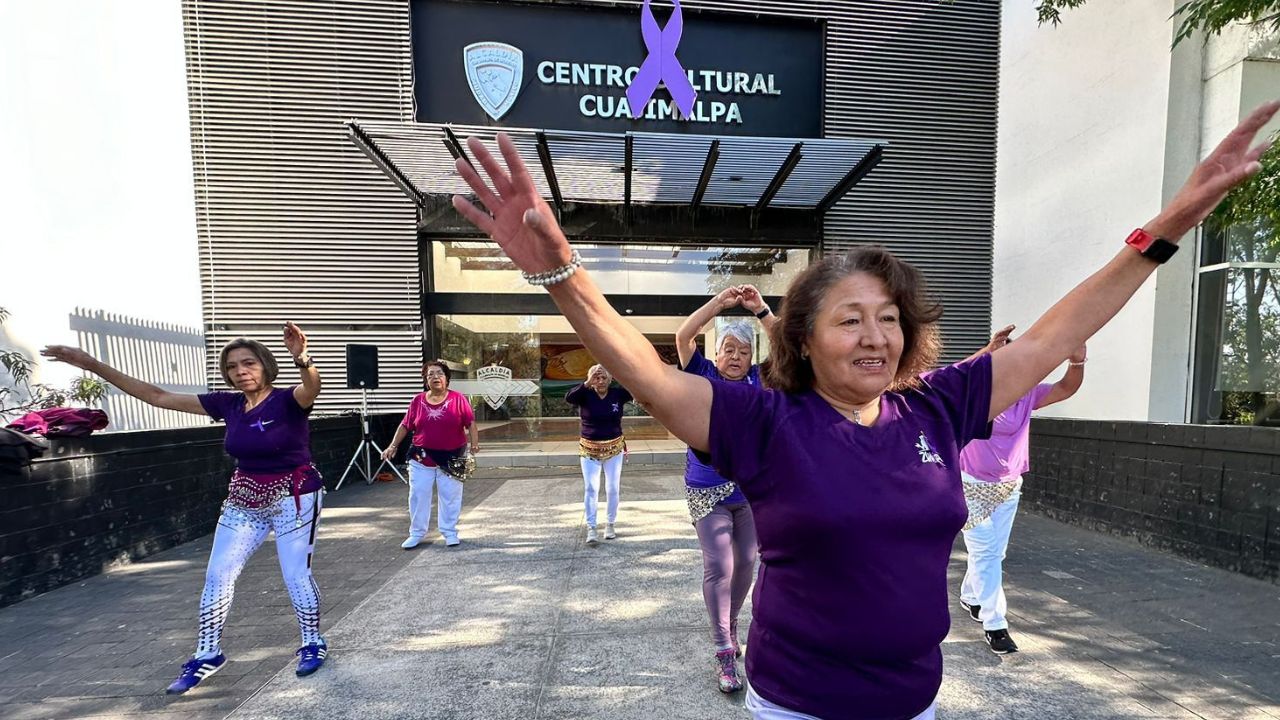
point(480, 267)
point(1237, 344)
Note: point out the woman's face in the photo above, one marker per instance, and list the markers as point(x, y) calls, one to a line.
point(599, 380)
point(433, 375)
point(857, 340)
point(245, 370)
point(733, 359)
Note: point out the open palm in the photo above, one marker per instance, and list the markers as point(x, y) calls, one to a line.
point(1230, 164)
point(518, 219)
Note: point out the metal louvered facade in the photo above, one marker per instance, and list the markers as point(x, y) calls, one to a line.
point(295, 223)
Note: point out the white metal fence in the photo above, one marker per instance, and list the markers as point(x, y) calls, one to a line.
point(169, 356)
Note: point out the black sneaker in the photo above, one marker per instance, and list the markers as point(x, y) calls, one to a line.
point(973, 610)
point(1000, 642)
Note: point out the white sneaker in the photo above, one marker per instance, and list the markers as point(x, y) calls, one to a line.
point(609, 534)
point(591, 536)
point(411, 543)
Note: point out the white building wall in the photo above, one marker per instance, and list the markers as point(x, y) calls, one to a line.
point(95, 183)
point(1080, 163)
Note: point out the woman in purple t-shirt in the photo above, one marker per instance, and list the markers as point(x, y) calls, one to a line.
point(719, 510)
point(274, 488)
point(440, 421)
point(850, 461)
point(602, 447)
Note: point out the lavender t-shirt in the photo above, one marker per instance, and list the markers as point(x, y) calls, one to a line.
point(855, 526)
point(698, 472)
point(273, 437)
point(1006, 455)
point(601, 416)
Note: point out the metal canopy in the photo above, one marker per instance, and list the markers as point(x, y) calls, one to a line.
point(618, 187)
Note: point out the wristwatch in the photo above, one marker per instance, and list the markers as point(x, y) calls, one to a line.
point(303, 362)
point(1151, 247)
point(766, 312)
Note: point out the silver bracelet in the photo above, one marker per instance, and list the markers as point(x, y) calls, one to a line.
point(1077, 364)
point(556, 276)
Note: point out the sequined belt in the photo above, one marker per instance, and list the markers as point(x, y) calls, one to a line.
point(703, 500)
point(601, 449)
point(982, 498)
point(255, 491)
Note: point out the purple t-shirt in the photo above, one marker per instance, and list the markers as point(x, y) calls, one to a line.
point(274, 437)
point(1006, 456)
point(698, 472)
point(601, 416)
point(855, 526)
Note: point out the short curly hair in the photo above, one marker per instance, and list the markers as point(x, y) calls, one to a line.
point(270, 368)
point(444, 367)
point(789, 371)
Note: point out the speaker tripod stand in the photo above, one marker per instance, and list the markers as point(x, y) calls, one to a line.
point(367, 450)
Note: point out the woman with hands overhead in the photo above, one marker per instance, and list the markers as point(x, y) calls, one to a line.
point(718, 509)
point(274, 488)
point(850, 460)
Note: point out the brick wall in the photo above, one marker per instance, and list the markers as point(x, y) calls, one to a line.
point(94, 501)
point(1209, 493)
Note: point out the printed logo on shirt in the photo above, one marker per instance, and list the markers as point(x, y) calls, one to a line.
point(616, 408)
point(261, 425)
point(435, 413)
point(927, 453)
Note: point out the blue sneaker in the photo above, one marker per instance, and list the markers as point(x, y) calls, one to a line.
point(311, 657)
point(195, 670)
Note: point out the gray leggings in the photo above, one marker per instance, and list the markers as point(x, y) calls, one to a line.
point(728, 540)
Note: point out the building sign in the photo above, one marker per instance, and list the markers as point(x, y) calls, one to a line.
point(660, 67)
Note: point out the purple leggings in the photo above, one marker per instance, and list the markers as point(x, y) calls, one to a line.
point(728, 540)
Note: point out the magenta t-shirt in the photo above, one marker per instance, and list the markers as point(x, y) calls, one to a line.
point(1006, 455)
point(439, 427)
point(855, 526)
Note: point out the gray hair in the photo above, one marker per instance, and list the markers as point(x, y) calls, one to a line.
point(592, 371)
point(740, 331)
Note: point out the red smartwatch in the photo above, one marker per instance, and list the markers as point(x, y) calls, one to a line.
point(1151, 247)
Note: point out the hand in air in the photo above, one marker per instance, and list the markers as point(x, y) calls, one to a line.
point(1234, 161)
point(74, 357)
point(295, 341)
point(751, 298)
point(511, 211)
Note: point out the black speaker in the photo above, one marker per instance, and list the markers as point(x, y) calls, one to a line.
point(362, 366)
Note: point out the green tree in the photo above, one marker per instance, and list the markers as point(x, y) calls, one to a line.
point(1211, 16)
point(18, 395)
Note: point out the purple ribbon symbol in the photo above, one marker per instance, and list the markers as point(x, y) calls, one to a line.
point(661, 65)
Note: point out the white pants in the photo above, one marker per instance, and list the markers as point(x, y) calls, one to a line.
point(762, 709)
point(238, 536)
point(612, 485)
point(984, 577)
point(421, 480)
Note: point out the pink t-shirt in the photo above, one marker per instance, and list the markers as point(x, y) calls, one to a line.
point(439, 427)
point(1006, 455)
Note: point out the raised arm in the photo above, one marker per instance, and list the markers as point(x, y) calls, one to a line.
point(998, 340)
point(296, 342)
point(1019, 366)
point(144, 391)
point(687, 333)
point(1071, 382)
point(522, 224)
point(753, 301)
point(576, 395)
